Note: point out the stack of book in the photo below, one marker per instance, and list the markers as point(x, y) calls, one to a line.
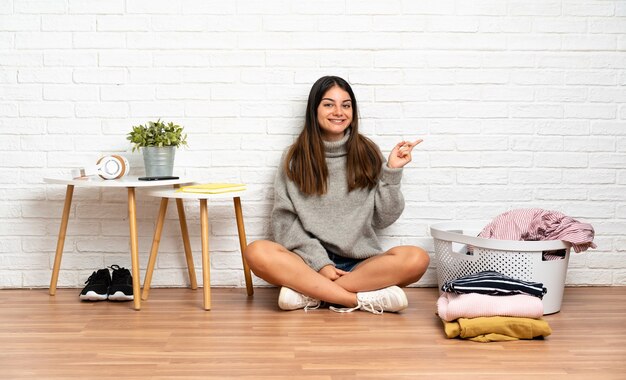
point(213, 188)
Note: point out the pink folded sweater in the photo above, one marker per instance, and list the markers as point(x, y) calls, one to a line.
point(451, 306)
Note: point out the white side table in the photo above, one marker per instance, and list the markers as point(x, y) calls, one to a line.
point(165, 195)
point(130, 183)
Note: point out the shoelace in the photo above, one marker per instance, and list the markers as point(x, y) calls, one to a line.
point(311, 304)
point(371, 306)
point(93, 275)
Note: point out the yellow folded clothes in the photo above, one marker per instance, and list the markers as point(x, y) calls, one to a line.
point(487, 329)
point(213, 188)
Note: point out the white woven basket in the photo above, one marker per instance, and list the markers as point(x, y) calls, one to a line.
point(523, 260)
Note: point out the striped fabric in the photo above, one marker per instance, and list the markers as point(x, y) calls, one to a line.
point(494, 283)
point(539, 224)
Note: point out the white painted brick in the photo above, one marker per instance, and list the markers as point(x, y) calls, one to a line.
point(453, 92)
point(301, 23)
point(123, 23)
point(451, 24)
point(482, 176)
point(534, 42)
point(123, 58)
point(398, 23)
point(44, 76)
point(535, 8)
point(64, 23)
point(532, 143)
point(608, 128)
point(555, 94)
point(482, 8)
point(560, 25)
point(38, 7)
point(606, 95)
point(594, 112)
point(505, 25)
point(191, 40)
point(109, 109)
point(236, 58)
point(212, 109)
point(586, 176)
point(215, 7)
point(154, 76)
point(19, 23)
point(561, 160)
point(99, 40)
point(46, 109)
point(536, 110)
point(99, 76)
point(589, 144)
point(21, 59)
point(127, 92)
point(21, 92)
point(589, 42)
point(565, 60)
point(506, 159)
point(8, 110)
point(564, 127)
point(70, 58)
point(186, 23)
point(561, 193)
point(483, 110)
point(209, 75)
point(607, 160)
point(537, 77)
point(157, 109)
point(501, 93)
point(586, 8)
point(96, 7)
point(70, 92)
point(43, 40)
point(153, 6)
point(594, 78)
point(73, 126)
point(479, 194)
point(535, 176)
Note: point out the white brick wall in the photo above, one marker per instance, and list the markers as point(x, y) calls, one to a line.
point(520, 103)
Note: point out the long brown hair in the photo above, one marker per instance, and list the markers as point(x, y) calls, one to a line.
point(305, 163)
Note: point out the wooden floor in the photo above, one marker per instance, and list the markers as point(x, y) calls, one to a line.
point(43, 337)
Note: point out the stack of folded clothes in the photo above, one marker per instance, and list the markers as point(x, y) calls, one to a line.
point(489, 306)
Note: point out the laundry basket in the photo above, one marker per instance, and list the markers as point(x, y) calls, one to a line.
point(460, 252)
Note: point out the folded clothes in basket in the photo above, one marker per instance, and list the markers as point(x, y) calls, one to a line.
point(451, 306)
point(494, 283)
point(539, 224)
point(494, 329)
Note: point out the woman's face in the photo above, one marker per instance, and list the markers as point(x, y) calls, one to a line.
point(334, 114)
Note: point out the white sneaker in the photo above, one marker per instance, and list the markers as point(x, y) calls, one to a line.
point(391, 298)
point(289, 299)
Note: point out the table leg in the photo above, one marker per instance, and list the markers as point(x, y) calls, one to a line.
point(61, 240)
point(243, 244)
point(206, 269)
point(185, 233)
point(134, 247)
point(155, 248)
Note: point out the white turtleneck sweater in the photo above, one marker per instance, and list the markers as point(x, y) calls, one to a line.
point(339, 221)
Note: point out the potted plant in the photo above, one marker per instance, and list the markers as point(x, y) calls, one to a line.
point(158, 142)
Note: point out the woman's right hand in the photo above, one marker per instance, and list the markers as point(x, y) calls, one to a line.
point(331, 273)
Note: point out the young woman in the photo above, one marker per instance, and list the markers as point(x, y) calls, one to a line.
point(332, 191)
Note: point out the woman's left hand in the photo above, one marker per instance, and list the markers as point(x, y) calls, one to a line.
point(401, 154)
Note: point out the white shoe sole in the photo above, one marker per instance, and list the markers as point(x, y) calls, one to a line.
point(93, 296)
point(120, 296)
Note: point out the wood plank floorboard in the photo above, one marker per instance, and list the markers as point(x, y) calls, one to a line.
point(44, 337)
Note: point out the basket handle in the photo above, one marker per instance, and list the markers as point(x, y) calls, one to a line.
point(450, 232)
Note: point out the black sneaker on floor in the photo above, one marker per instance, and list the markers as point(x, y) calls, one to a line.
point(121, 288)
point(97, 288)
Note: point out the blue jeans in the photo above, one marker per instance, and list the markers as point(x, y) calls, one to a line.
point(344, 263)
